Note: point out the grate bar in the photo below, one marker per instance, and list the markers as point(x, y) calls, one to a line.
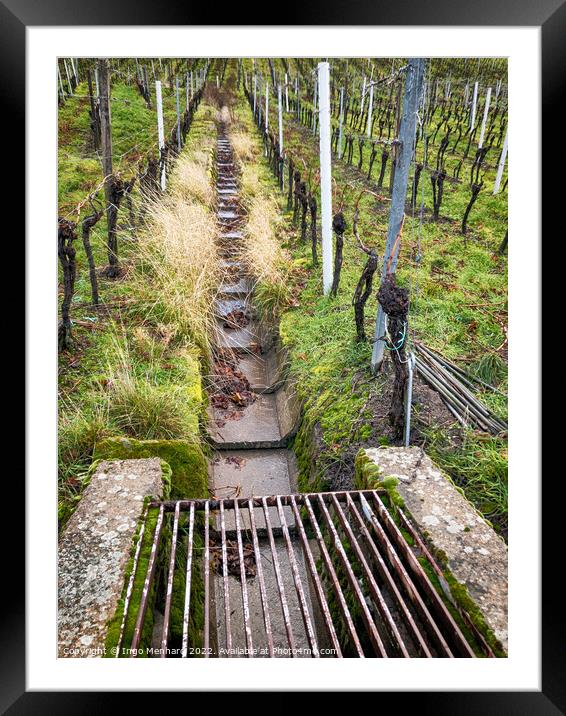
point(206, 636)
point(280, 585)
point(261, 579)
point(427, 586)
point(245, 603)
point(225, 582)
point(410, 588)
point(188, 582)
point(298, 583)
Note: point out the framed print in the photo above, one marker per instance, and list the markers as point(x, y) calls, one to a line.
point(283, 392)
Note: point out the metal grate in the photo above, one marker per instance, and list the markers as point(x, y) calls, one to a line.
point(316, 575)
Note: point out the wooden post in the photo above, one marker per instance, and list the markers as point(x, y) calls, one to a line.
point(341, 127)
point(106, 141)
point(160, 129)
point(370, 110)
point(325, 176)
point(178, 113)
point(280, 110)
point(266, 105)
point(413, 92)
point(314, 106)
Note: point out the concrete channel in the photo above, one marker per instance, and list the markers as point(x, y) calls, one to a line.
point(251, 454)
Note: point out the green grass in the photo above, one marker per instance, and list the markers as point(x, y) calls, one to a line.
point(458, 295)
point(129, 373)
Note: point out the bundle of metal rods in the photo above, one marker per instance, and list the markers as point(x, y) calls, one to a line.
point(455, 387)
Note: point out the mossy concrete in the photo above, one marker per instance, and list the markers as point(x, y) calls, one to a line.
point(472, 555)
point(95, 548)
point(189, 475)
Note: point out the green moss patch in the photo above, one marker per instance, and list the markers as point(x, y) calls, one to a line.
point(189, 476)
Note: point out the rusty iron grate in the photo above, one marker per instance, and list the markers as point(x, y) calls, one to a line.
point(318, 575)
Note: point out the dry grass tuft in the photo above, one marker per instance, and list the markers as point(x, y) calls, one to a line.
point(177, 274)
point(261, 251)
point(244, 146)
point(191, 179)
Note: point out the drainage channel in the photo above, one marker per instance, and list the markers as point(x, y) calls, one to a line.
point(281, 573)
point(250, 433)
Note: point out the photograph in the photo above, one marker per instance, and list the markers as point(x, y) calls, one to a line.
point(282, 356)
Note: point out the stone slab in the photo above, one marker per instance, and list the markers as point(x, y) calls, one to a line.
point(94, 550)
point(477, 556)
point(257, 422)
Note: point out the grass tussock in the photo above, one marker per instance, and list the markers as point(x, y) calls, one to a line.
point(177, 274)
point(264, 257)
point(244, 146)
point(261, 250)
point(191, 179)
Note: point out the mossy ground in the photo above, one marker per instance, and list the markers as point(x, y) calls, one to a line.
point(187, 461)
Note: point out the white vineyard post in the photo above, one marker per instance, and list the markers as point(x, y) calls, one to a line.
point(70, 86)
point(187, 90)
point(160, 129)
point(484, 120)
point(325, 175)
point(474, 103)
point(255, 94)
point(370, 110)
point(501, 165)
point(286, 93)
point(74, 64)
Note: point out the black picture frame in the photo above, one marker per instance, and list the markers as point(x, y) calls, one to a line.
point(550, 15)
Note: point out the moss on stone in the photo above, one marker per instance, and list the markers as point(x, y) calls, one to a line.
point(462, 597)
point(189, 475)
point(369, 476)
point(115, 623)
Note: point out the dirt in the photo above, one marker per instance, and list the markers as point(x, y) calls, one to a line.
point(428, 410)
